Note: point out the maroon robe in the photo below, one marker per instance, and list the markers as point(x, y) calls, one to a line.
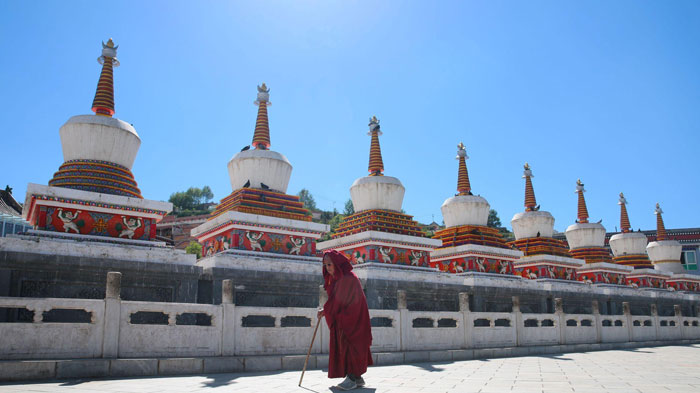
point(347, 317)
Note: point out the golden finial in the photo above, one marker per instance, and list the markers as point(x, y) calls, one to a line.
point(110, 43)
point(460, 146)
point(527, 166)
point(578, 182)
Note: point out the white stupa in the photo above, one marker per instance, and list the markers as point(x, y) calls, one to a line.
point(378, 232)
point(468, 244)
point(665, 254)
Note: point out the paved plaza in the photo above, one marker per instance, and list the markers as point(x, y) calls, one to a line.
point(660, 369)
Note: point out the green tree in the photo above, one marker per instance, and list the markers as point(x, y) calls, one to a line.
point(308, 199)
point(192, 199)
point(333, 223)
point(493, 220)
point(194, 248)
point(349, 208)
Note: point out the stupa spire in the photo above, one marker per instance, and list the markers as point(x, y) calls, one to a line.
point(660, 228)
point(103, 104)
point(582, 209)
point(624, 218)
point(530, 202)
point(463, 186)
point(261, 138)
point(376, 166)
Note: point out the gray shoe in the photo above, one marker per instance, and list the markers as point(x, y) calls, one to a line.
point(347, 384)
point(360, 382)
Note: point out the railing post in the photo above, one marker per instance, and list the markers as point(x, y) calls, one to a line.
point(597, 321)
point(628, 316)
point(466, 318)
point(517, 319)
point(679, 319)
point(655, 320)
point(228, 326)
point(561, 318)
point(405, 324)
point(112, 316)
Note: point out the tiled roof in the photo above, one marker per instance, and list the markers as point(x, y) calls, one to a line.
point(9, 205)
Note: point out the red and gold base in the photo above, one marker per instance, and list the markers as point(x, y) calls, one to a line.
point(541, 246)
point(471, 234)
point(547, 267)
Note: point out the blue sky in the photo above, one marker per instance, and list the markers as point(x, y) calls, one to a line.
point(605, 91)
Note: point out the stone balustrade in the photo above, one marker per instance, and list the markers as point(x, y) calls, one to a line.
point(113, 328)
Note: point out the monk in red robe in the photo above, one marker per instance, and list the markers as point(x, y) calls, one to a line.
point(347, 317)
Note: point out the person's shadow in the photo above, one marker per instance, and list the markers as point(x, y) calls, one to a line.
point(366, 390)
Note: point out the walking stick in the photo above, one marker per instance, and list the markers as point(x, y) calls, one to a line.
point(309, 353)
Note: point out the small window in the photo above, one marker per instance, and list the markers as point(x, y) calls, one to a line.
point(671, 323)
point(447, 323)
point(148, 318)
point(296, 321)
point(531, 323)
point(663, 323)
point(689, 260)
point(636, 323)
point(258, 321)
point(647, 323)
point(586, 322)
point(381, 322)
point(686, 323)
point(547, 323)
point(193, 319)
point(618, 322)
point(17, 314)
point(422, 323)
point(503, 322)
point(571, 322)
point(482, 322)
point(607, 322)
point(64, 315)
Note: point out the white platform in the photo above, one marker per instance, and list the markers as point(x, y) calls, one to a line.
point(256, 221)
point(379, 238)
point(473, 249)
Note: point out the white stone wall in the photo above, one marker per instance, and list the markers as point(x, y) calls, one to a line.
point(227, 337)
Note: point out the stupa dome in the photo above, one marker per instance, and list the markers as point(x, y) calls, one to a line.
point(583, 233)
point(260, 167)
point(256, 166)
point(587, 234)
point(91, 137)
point(532, 222)
point(529, 224)
point(377, 192)
point(464, 208)
point(628, 243)
point(664, 253)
